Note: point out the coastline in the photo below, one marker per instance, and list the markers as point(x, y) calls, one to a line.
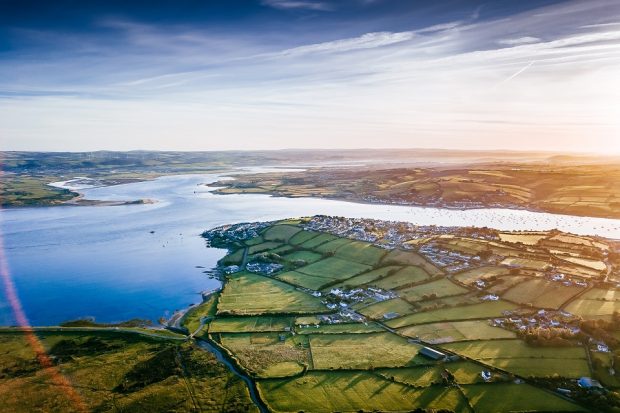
point(356, 200)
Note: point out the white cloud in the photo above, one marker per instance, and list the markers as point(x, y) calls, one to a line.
point(519, 40)
point(298, 4)
point(448, 85)
point(365, 41)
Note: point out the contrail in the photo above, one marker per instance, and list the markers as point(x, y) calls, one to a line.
point(22, 321)
point(517, 73)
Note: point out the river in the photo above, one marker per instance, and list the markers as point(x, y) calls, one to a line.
point(103, 261)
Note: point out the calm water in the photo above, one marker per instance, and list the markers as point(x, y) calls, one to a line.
point(102, 261)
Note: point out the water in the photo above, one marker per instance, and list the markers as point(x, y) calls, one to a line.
point(103, 262)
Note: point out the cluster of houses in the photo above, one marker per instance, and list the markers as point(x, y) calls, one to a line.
point(236, 232)
point(449, 259)
point(567, 281)
point(542, 319)
point(357, 295)
point(386, 234)
point(263, 268)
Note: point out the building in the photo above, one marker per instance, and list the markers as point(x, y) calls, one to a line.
point(432, 353)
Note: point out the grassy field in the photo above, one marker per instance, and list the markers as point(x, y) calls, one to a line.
point(361, 252)
point(303, 236)
point(447, 332)
point(525, 238)
point(117, 372)
point(596, 303)
point(487, 309)
point(192, 318)
point(400, 257)
point(408, 275)
point(541, 293)
point(370, 350)
point(510, 397)
point(378, 310)
point(16, 191)
point(249, 324)
point(354, 391)
point(245, 294)
point(307, 256)
point(350, 328)
point(367, 278)
point(517, 357)
point(325, 271)
point(266, 355)
point(421, 376)
point(281, 233)
point(481, 273)
point(304, 363)
point(434, 289)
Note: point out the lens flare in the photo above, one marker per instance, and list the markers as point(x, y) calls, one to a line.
point(33, 341)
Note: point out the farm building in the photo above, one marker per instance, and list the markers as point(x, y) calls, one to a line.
point(432, 353)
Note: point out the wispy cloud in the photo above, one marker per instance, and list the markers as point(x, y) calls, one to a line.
point(449, 84)
point(365, 41)
point(298, 4)
point(519, 40)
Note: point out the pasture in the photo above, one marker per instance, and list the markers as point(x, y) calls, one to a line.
point(486, 309)
point(541, 293)
point(246, 294)
point(517, 357)
point(250, 324)
point(371, 350)
point(510, 397)
point(434, 289)
point(447, 332)
point(266, 355)
point(378, 310)
point(326, 392)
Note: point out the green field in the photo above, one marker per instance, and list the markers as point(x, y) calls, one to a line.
point(245, 294)
point(408, 275)
point(541, 293)
point(314, 242)
point(367, 277)
point(596, 303)
point(352, 328)
point(192, 318)
point(266, 354)
point(510, 397)
point(116, 372)
point(308, 256)
point(371, 350)
point(378, 310)
point(282, 233)
point(304, 280)
point(302, 236)
point(361, 252)
point(517, 357)
point(434, 289)
point(323, 392)
point(483, 273)
point(249, 324)
point(447, 332)
point(401, 257)
point(263, 246)
point(421, 376)
point(487, 309)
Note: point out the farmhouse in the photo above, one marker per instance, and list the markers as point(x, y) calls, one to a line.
point(432, 353)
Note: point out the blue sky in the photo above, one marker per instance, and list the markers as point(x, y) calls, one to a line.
point(268, 74)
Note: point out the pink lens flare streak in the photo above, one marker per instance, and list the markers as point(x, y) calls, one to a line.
point(22, 321)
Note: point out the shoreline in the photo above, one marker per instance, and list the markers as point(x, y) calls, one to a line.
point(354, 200)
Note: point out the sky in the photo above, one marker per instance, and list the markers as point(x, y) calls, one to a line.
point(272, 74)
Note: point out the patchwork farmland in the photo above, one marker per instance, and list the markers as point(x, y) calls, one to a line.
point(437, 318)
